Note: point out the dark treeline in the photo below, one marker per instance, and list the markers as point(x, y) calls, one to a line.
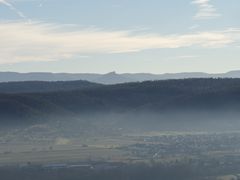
point(44, 86)
point(156, 96)
point(184, 170)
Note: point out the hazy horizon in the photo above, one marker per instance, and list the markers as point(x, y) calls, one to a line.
point(119, 72)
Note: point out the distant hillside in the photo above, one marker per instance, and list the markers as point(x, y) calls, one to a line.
point(44, 86)
point(153, 96)
point(109, 78)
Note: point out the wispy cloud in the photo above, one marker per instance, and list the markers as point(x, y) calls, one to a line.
point(22, 41)
point(205, 10)
point(13, 8)
point(196, 26)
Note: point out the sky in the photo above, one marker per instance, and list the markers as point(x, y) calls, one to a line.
point(100, 36)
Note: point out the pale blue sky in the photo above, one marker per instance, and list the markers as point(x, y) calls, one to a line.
point(156, 36)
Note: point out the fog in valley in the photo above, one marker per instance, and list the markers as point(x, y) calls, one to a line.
point(101, 145)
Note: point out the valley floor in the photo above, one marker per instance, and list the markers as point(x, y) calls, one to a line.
point(208, 155)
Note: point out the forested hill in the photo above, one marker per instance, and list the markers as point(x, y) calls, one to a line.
point(44, 86)
point(154, 96)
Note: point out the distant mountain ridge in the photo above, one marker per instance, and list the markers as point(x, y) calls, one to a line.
point(109, 78)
